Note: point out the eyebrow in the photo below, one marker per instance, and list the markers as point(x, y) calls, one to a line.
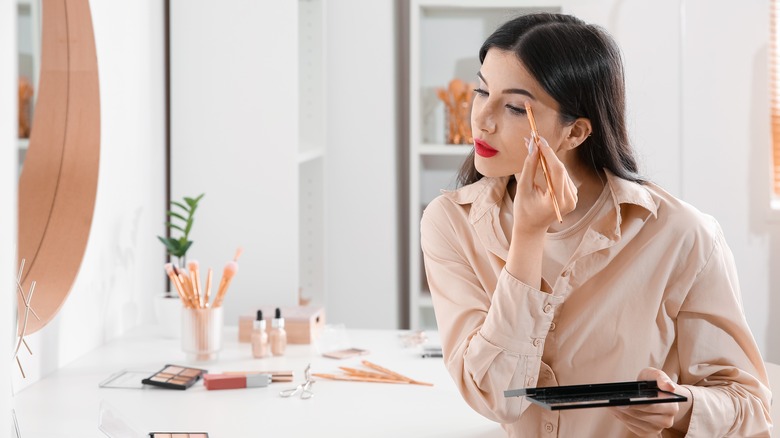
point(510, 90)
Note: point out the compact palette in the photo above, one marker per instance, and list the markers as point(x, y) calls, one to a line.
point(175, 377)
point(597, 395)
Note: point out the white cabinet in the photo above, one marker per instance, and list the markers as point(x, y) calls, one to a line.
point(445, 37)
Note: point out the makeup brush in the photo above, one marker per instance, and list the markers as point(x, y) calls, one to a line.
point(187, 288)
point(356, 378)
point(194, 268)
point(184, 278)
point(208, 285)
point(537, 140)
point(227, 276)
point(369, 374)
point(393, 374)
point(239, 251)
point(176, 283)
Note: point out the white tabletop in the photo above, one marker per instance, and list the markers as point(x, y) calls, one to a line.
point(67, 403)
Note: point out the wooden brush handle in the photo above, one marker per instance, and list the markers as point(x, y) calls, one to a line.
point(356, 378)
point(361, 373)
point(394, 374)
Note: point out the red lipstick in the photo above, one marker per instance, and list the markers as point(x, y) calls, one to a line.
point(483, 149)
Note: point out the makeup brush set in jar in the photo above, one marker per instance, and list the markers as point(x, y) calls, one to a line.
point(202, 317)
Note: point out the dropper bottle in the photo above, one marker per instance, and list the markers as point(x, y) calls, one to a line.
point(259, 337)
point(278, 338)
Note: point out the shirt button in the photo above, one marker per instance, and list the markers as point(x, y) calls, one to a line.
point(549, 427)
point(547, 308)
point(565, 273)
point(552, 326)
point(530, 382)
point(537, 342)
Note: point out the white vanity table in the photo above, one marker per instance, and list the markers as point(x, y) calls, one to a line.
point(66, 403)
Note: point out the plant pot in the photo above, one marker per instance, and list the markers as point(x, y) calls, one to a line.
point(167, 309)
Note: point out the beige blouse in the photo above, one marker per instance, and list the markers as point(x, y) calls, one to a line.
point(651, 284)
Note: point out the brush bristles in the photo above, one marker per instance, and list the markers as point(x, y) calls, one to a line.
point(230, 269)
point(187, 282)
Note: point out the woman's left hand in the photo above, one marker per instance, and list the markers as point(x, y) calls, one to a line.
point(651, 419)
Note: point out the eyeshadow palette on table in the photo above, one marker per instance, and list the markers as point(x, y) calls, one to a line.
point(597, 395)
point(175, 377)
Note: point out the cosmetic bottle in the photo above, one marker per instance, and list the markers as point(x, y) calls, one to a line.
point(278, 336)
point(259, 337)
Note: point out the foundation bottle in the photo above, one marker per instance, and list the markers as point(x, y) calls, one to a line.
point(259, 337)
point(278, 338)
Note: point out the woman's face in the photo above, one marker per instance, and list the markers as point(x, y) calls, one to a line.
point(498, 118)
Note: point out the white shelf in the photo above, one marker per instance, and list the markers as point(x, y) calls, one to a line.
point(310, 155)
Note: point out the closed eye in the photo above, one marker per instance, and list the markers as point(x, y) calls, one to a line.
point(516, 110)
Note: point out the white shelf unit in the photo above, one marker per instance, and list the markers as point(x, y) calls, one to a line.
point(444, 38)
point(311, 150)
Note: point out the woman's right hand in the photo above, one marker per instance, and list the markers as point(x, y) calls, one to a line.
point(534, 210)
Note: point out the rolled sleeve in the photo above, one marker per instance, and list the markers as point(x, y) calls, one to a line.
point(519, 317)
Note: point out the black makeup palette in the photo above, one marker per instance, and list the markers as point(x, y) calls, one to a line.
point(178, 435)
point(597, 395)
point(175, 377)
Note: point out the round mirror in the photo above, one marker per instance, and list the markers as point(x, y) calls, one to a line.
point(58, 182)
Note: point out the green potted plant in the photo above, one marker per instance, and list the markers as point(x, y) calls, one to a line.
point(180, 219)
point(178, 246)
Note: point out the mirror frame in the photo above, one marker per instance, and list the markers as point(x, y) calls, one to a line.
point(58, 183)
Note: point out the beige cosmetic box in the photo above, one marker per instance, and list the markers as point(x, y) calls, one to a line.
point(302, 324)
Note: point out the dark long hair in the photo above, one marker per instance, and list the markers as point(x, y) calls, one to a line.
point(580, 66)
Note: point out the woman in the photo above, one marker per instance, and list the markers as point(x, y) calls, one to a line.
point(633, 284)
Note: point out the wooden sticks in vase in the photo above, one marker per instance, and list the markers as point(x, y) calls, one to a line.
point(457, 105)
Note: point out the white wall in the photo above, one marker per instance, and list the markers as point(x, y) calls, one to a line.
point(234, 110)
point(698, 106)
point(122, 267)
point(651, 58)
point(361, 225)
point(726, 155)
point(8, 201)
